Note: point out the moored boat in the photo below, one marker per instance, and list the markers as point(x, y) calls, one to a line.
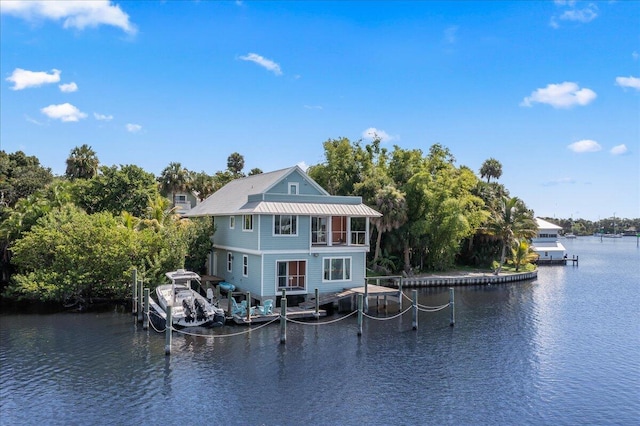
point(188, 307)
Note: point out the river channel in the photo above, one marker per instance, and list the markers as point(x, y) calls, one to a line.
point(563, 349)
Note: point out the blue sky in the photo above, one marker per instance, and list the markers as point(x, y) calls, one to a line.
point(551, 89)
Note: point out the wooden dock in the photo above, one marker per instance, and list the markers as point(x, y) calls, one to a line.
point(293, 312)
point(370, 290)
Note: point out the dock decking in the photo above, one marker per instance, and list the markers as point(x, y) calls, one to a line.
point(294, 312)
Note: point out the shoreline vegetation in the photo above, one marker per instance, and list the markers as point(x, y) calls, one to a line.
point(72, 239)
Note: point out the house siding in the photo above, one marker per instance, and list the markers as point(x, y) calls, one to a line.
point(304, 186)
point(270, 241)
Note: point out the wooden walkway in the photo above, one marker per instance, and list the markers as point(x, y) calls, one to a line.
point(372, 290)
point(293, 312)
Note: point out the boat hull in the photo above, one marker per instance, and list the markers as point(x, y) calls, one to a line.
point(188, 308)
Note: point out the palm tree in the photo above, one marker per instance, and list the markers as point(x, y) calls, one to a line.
point(82, 163)
point(392, 204)
point(235, 164)
point(522, 253)
point(174, 178)
point(509, 221)
point(491, 168)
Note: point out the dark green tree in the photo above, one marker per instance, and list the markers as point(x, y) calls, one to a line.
point(491, 168)
point(82, 163)
point(509, 222)
point(174, 178)
point(235, 164)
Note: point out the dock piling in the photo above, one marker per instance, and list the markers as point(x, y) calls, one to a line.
point(140, 301)
point(248, 307)
point(366, 295)
point(169, 327)
point(145, 318)
point(400, 296)
point(317, 313)
point(283, 317)
point(360, 307)
point(414, 303)
point(134, 293)
point(453, 309)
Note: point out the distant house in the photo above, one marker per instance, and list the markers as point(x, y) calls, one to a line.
point(281, 230)
point(546, 243)
point(184, 201)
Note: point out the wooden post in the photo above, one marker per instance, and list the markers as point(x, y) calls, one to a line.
point(134, 293)
point(360, 305)
point(453, 308)
point(229, 306)
point(283, 318)
point(366, 295)
point(248, 307)
point(400, 296)
point(140, 301)
point(145, 318)
point(217, 292)
point(317, 313)
point(168, 329)
point(414, 303)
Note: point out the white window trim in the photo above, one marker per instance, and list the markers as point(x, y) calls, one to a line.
point(343, 259)
point(229, 262)
point(244, 222)
point(306, 274)
point(273, 228)
point(295, 185)
point(232, 222)
point(245, 265)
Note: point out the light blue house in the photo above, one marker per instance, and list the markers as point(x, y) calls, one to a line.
point(281, 230)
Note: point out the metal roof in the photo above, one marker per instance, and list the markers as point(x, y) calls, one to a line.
point(543, 224)
point(311, 209)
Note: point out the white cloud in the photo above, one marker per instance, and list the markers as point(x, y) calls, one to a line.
point(69, 87)
point(585, 15)
point(632, 82)
point(563, 95)
point(619, 149)
point(33, 120)
point(63, 112)
point(635, 56)
point(372, 133)
point(73, 14)
point(573, 13)
point(304, 166)
point(23, 79)
point(102, 117)
point(263, 62)
point(313, 106)
point(560, 181)
point(585, 145)
point(133, 128)
point(450, 34)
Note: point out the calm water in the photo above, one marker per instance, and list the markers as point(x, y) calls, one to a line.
point(563, 349)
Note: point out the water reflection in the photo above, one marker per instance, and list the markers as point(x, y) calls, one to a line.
point(561, 349)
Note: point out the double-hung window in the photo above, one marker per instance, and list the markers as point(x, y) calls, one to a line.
point(337, 269)
point(247, 222)
point(319, 230)
point(285, 224)
point(229, 262)
point(245, 265)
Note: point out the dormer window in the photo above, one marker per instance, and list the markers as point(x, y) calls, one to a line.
point(293, 188)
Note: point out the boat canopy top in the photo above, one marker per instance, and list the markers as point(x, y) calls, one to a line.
point(182, 275)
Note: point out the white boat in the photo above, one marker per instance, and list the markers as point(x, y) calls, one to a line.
point(570, 236)
point(188, 307)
